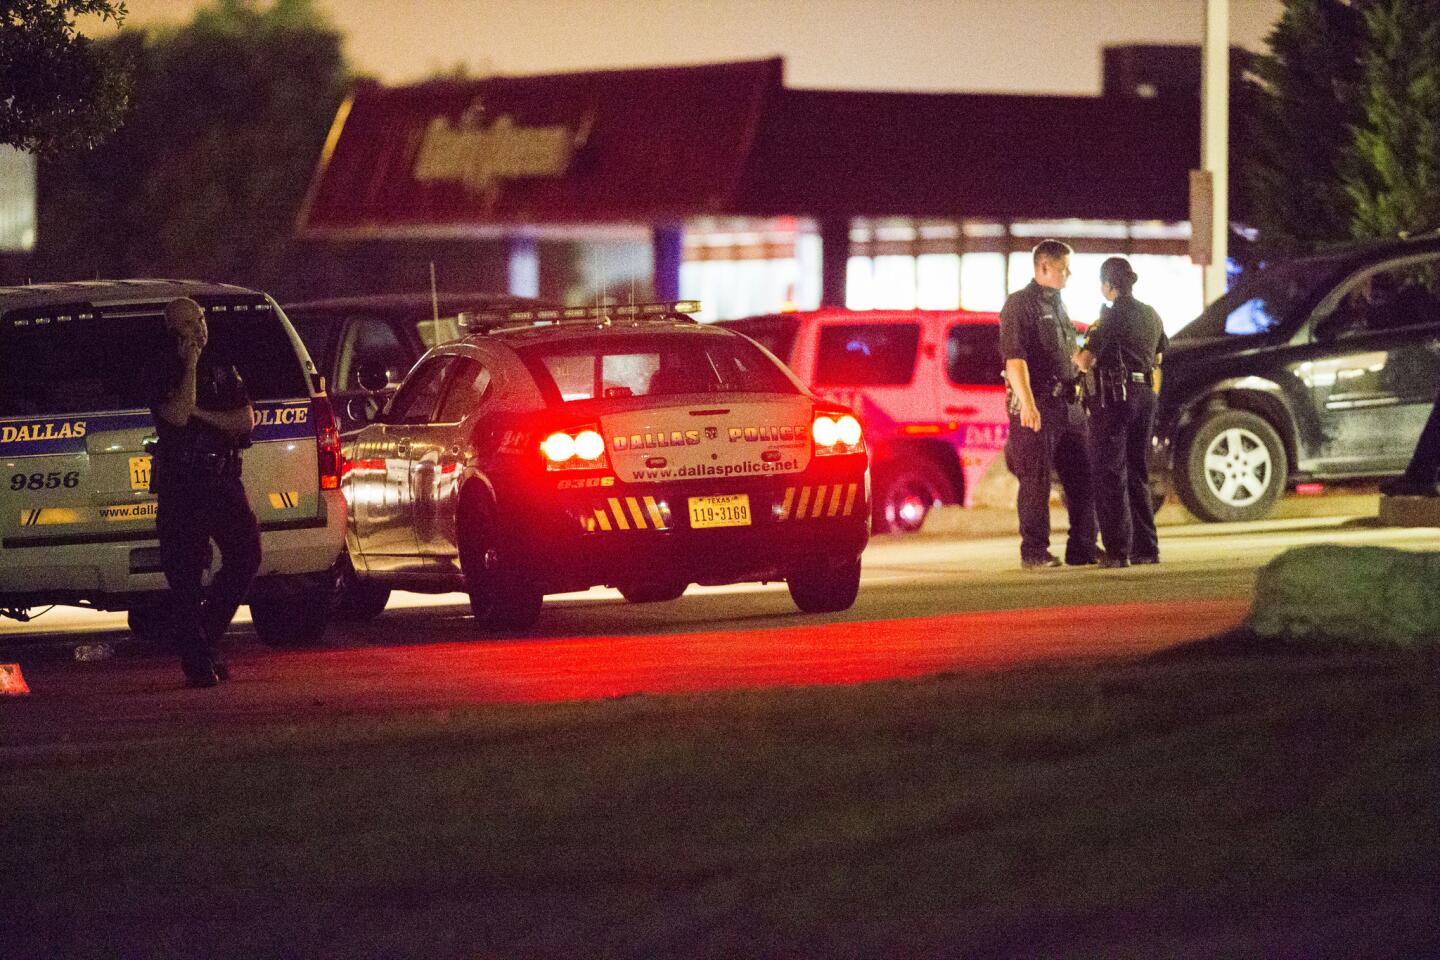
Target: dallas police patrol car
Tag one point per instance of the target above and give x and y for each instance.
(77, 519)
(553, 450)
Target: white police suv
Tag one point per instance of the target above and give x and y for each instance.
(77, 519)
(553, 450)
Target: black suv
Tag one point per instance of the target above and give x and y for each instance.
(1319, 368)
(364, 345)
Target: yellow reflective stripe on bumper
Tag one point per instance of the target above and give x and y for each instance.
(653, 508)
(785, 507)
(634, 506)
(850, 498)
(602, 518)
(804, 501)
(618, 510)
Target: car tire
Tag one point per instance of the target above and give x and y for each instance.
(503, 597)
(1230, 466)
(293, 611)
(905, 493)
(827, 586)
(152, 621)
(655, 591)
(357, 599)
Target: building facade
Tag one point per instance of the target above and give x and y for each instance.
(720, 183)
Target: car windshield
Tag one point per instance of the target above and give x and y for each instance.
(615, 366)
(1262, 302)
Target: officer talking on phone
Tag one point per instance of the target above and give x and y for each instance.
(203, 418)
(1123, 350)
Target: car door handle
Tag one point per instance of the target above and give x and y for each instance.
(963, 411)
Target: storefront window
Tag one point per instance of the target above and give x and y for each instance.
(894, 283)
(937, 281)
(860, 284)
(728, 289)
(982, 281)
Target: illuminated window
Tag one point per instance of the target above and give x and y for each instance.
(937, 281)
(982, 281)
(859, 284)
(894, 285)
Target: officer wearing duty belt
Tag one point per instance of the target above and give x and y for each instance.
(1123, 349)
(203, 418)
(1047, 421)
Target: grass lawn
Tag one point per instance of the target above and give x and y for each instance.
(1210, 803)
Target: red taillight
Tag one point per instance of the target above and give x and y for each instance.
(578, 448)
(836, 432)
(327, 442)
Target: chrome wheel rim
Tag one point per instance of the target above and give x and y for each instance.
(1238, 467)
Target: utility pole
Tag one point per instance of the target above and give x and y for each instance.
(1215, 147)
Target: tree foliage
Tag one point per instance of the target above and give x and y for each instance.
(1296, 150)
(59, 90)
(1394, 181)
(204, 180)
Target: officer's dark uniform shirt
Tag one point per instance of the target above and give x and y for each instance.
(1034, 327)
(1128, 335)
(218, 387)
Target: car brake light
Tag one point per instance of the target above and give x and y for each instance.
(836, 432)
(582, 448)
(327, 442)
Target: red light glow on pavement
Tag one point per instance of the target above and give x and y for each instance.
(291, 685)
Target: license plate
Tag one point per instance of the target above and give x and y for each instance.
(139, 473)
(732, 510)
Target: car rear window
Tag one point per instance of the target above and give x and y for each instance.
(76, 359)
(614, 367)
(867, 354)
(972, 356)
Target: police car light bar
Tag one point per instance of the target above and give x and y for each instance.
(491, 319)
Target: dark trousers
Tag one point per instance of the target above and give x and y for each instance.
(193, 509)
(1059, 449)
(1120, 439)
(1425, 461)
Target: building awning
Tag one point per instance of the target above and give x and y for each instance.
(586, 151)
(612, 147)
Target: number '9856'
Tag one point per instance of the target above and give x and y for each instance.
(44, 481)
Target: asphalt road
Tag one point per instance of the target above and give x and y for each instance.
(927, 604)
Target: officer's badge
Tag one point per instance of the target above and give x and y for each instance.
(711, 433)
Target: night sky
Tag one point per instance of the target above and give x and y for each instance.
(1023, 46)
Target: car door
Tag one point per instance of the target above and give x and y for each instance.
(382, 496)
(1376, 382)
(972, 395)
(437, 458)
(366, 342)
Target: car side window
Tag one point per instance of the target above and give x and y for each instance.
(972, 356)
(419, 396)
(369, 340)
(466, 388)
(1388, 299)
(872, 354)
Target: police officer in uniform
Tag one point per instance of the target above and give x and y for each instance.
(202, 419)
(1123, 351)
(1047, 421)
